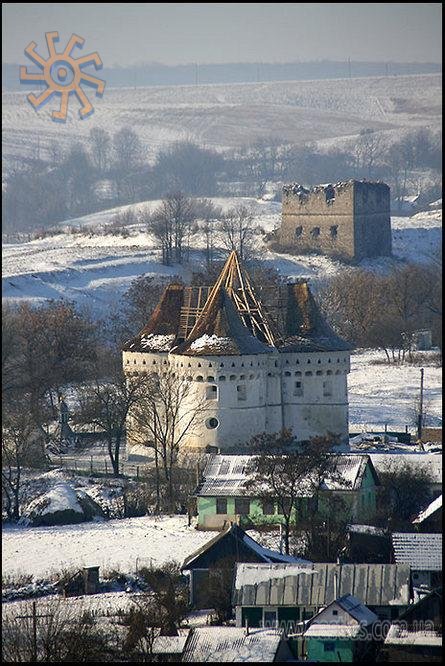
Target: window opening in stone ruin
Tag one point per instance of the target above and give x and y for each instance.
(315, 232)
(298, 232)
(334, 231)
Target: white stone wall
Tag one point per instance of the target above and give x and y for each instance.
(247, 395)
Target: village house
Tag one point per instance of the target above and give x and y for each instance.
(430, 519)
(223, 495)
(288, 594)
(228, 547)
(423, 553)
(416, 636)
(248, 371)
(341, 632)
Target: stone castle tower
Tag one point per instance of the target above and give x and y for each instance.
(253, 372)
(349, 220)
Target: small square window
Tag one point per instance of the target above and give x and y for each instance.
(329, 646)
(242, 506)
(335, 612)
(268, 508)
(211, 392)
(221, 505)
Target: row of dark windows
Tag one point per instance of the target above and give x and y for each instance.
(315, 232)
(242, 506)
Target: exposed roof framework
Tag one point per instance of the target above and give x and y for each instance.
(236, 283)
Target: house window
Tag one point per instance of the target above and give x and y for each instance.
(221, 505)
(334, 231)
(298, 388)
(211, 392)
(299, 232)
(329, 646)
(327, 388)
(241, 392)
(284, 506)
(335, 612)
(315, 232)
(268, 507)
(270, 617)
(242, 506)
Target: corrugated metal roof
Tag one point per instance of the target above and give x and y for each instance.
(422, 552)
(373, 584)
(225, 644)
(227, 475)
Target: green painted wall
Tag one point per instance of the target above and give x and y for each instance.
(361, 505)
(343, 650)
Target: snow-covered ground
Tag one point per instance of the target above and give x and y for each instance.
(227, 115)
(116, 544)
(95, 270)
(380, 394)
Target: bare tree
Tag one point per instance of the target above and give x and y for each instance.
(100, 142)
(22, 446)
(127, 148)
(172, 224)
(281, 474)
(167, 603)
(368, 151)
(106, 404)
(238, 231)
(167, 413)
(404, 492)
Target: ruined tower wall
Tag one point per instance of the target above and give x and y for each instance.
(350, 219)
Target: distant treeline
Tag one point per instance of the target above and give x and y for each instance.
(156, 74)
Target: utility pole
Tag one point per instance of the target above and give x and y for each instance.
(349, 67)
(420, 415)
(196, 73)
(34, 617)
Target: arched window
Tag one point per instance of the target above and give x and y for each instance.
(199, 378)
(222, 378)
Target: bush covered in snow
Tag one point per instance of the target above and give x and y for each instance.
(61, 505)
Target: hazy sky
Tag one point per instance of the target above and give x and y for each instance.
(230, 32)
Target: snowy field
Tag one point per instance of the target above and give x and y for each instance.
(222, 116)
(380, 394)
(116, 544)
(94, 270)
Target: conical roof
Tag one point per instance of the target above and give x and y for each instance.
(305, 327)
(220, 331)
(160, 333)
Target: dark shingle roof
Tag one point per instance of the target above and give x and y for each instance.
(421, 551)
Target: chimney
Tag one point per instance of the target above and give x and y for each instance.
(335, 585)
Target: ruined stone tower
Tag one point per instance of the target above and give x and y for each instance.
(350, 219)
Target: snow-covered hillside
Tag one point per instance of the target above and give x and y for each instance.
(95, 270)
(223, 116)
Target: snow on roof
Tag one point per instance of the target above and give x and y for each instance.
(399, 635)
(332, 631)
(232, 644)
(152, 342)
(212, 343)
(227, 475)
(271, 555)
(366, 529)
(269, 585)
(170, 644)
(254, 574)
(430, 509)
(428, 462)
(421, 551)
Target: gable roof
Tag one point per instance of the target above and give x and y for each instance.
(420, 551)
(244, 546)
(323, 625)
(431, 509)
(374, 584)
(227, 475)
(424, 462)
(232, 644)
(410, 628)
